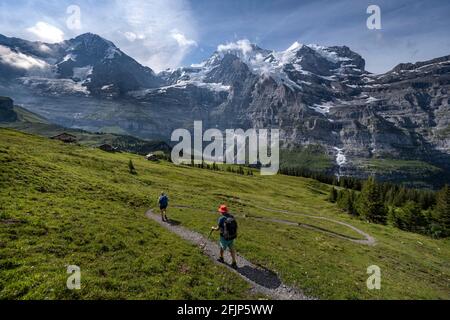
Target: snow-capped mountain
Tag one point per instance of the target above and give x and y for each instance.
(314, 94)
(85, 65)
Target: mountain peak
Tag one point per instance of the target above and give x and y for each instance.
(295, 46)
(90, 39)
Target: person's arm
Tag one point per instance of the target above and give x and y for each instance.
(216, 228)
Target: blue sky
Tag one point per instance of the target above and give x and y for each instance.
(170, 33)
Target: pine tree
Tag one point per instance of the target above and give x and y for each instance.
(442, 210)
(371, 206)
(409, 217)
(131, 167)
(346, 201)
(333, 195)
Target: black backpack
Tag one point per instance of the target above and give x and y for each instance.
(230, 228)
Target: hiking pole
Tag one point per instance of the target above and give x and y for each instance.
(203, 245)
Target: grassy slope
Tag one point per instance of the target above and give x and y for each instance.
(78, 206)
(412, 172)
(81, 206)
(30, 122)
(311, 157)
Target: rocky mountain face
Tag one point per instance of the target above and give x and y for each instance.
(314, 94)
(7, 113)
(85, 65)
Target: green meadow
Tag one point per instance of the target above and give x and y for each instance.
(66, 205)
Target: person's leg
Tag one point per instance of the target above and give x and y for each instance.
(233, 255)
(165, 214)
(162, 214)
(221, 246)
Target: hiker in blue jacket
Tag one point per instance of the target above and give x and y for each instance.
(163, 202)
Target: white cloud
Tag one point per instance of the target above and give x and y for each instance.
(157, 33)
(182, 40)
(243, 45)
(152, 31)
(20, 60)
(46, 32)
(44, 48)
(131, 36)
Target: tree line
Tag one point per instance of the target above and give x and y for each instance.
(215, 167)
(421, 211)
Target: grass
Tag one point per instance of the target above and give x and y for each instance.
(63, 204)
(392, 165)
(413, 173)
(32, 123)
(310, 157)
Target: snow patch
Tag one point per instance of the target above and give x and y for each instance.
(322, 108)
(107, 87)
(55, 87)
(82, 73)
(371, 99)
(216, 87)
(328, 54)
(111, 52)
(68, 57)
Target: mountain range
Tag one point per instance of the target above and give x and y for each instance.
(394, 125)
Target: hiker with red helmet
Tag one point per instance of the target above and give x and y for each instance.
(228, 232)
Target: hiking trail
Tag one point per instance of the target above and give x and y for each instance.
(368, 239)
(262, 280)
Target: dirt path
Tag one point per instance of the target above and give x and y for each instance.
(368, 239)
(262, 281)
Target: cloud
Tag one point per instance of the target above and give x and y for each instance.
(46, 32)
(20, 60)
(151, 30)
(243, 45)
(182, 40)
(131, 36)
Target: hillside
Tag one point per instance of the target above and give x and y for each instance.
(19, 118)
(66, 204)
(315, 95)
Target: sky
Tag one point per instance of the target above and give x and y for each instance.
(165, 34)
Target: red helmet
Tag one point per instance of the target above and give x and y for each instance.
(223, 209)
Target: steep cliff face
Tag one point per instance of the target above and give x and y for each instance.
(323, 95)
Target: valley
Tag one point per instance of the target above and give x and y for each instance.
(315, 95)
(65, 204)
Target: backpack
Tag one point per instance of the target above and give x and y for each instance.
(230, 228)
(163, 201)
